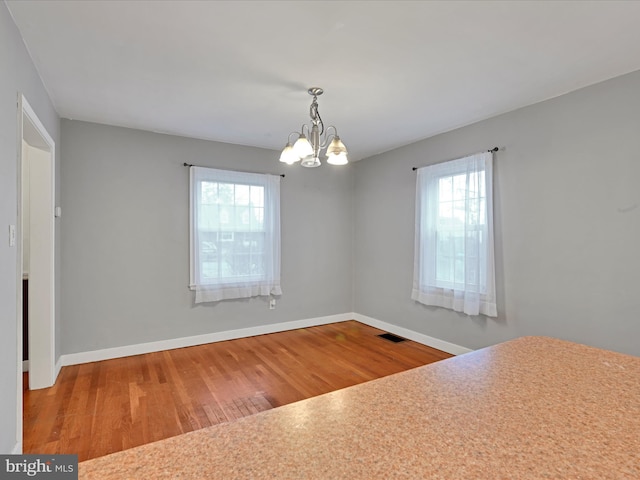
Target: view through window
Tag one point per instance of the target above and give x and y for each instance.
(231, 231)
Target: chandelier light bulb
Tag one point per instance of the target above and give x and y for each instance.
(288, 155)
(302, 147)
(337, 152)
(339, 159)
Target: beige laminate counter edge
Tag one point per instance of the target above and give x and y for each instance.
(529, 408)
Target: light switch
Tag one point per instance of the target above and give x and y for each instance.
(58, 212)
(12, 235)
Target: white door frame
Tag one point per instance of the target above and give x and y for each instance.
(42, 369)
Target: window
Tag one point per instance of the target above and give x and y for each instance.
(235, 234)
(454, 258)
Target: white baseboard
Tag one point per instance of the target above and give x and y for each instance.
(451, 348)
(138, 349)
(17, 449)
(141, 348)
(25, 365)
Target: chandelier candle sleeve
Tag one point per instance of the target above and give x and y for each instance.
(307, 147)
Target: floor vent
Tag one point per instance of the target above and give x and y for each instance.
(391, 337)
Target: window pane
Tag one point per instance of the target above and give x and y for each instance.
(257, 196)
(459, 269)
(244, 255)
(472, 274)
(445, 189)
(208, 252)
(242, 194)
(225, 216)
(443, 245)
(227, 251)
(459, 187)
(473, 185)
(459, 212)
(471, 247)
(443, 269)
(229, 254)
(474, 212)
(257, 218)
(208, 192)
(225, 193)
(242, 218)
(445, 210)
(208, 218)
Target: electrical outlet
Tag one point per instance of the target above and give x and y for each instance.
(272, 304)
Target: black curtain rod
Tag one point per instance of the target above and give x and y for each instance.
(230, 169)
(493, 150)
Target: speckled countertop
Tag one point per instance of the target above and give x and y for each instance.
(530, 408)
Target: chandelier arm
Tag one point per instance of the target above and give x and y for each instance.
(292, 133)
(329, 136)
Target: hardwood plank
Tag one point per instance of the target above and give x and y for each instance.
(103, 407)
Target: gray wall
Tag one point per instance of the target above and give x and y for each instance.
(17, 74)
(567, 223)
(126, 255)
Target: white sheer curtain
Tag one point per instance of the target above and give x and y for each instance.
(454, 255)
(235, 234)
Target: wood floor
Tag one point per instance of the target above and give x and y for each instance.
(103, 407)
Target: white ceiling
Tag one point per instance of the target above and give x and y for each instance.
(393, 72)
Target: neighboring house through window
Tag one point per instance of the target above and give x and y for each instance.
(235, 234)
(454, 255)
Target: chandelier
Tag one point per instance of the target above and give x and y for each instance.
(307, 150)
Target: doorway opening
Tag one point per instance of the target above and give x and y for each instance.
(36, 252)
